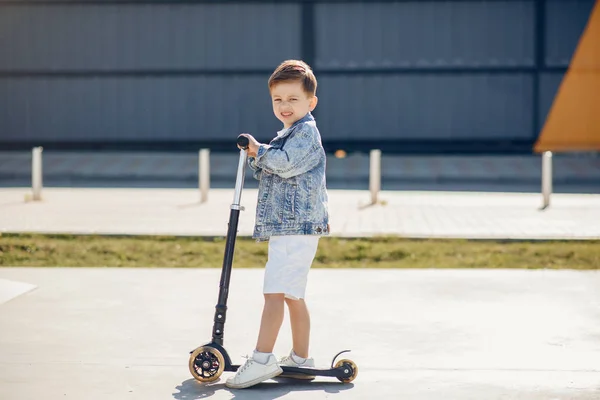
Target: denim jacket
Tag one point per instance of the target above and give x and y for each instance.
(292, 195)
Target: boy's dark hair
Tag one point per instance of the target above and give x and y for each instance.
(295, 70)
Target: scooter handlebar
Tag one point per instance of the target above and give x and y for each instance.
(243, 142)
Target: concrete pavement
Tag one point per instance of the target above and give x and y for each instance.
(414, 334)
(403, 213)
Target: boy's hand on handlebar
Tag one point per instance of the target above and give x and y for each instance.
(252, 145)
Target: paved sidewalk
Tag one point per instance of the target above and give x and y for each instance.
(403, 213)
(126, 334)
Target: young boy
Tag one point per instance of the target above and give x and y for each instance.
(292, 215)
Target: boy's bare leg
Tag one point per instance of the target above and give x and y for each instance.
(300, 323)
(272, 318)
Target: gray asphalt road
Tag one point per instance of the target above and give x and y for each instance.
(572, 173)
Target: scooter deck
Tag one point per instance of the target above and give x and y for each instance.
(340, 371)
(333, 372)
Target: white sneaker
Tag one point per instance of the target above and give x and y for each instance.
(253, 372)
(288, 361)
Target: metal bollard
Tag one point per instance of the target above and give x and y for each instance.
(36, 172)
(204, 174)
(375, 175)
(546, 177)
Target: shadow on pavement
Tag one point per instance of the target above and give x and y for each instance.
(192, 390)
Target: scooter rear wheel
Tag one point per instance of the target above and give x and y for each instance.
(351, 366)
(206, 364)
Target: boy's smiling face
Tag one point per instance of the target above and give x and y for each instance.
(291, 102)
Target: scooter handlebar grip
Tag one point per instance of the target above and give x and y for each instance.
(243, 142)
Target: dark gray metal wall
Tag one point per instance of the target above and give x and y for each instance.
(421, 75)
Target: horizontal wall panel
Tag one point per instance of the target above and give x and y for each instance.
(425, 34)
(426, 107)
(181, 108)
(565, 22)
(147, 36)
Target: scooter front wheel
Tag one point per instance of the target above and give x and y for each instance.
(206, 364)
(350, 370)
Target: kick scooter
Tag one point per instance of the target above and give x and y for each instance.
(208, 361)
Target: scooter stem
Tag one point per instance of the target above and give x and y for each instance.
(234, 214)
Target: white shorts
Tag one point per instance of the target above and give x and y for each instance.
(290, 259)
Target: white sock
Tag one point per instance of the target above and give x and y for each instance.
(297, 359)
(259, 357)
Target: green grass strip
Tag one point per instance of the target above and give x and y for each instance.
(39, 250)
